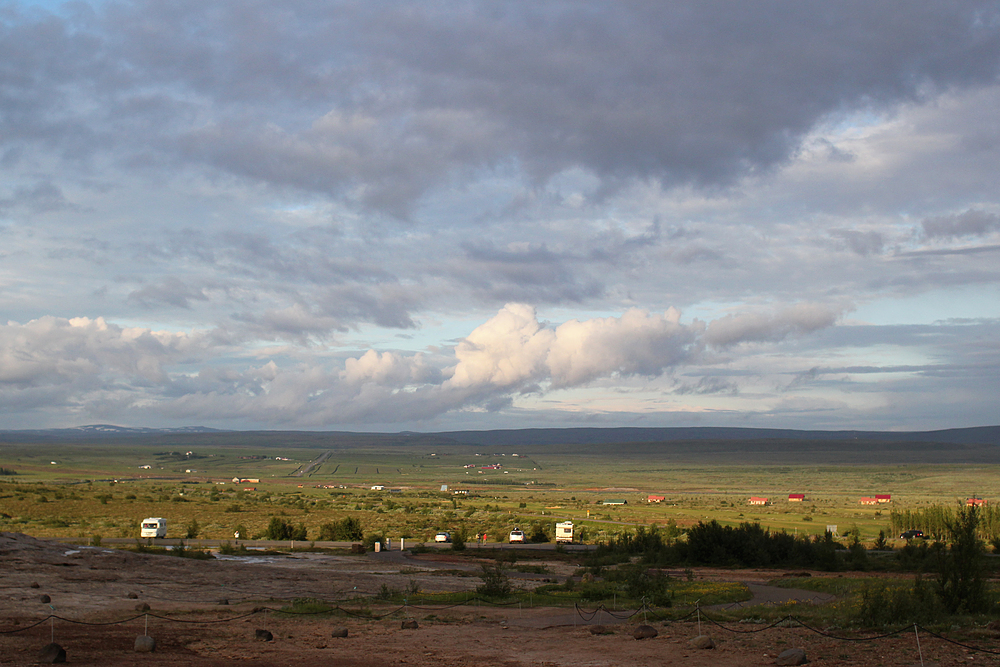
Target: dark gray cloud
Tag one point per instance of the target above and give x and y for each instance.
(970, 223)
(381, 102)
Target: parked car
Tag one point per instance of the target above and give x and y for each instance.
(912, 534)
(442, 537)
(517, 535)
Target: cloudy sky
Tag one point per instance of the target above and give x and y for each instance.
(380, 215)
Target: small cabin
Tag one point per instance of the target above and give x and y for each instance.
(755, 500)
(655, 499)
(869, 501)
(796, 497)
(883, 498)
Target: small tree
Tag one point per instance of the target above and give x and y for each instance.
(960, 583)
(496, 583)
(279, 529)
(193, 529)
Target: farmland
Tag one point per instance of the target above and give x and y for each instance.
(102, 488)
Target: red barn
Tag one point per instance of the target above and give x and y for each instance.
(796, 497)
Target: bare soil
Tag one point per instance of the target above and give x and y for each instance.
(98, 588)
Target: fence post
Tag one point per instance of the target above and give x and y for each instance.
(919, 650)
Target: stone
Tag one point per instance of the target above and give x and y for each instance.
(263, 635)
(145, 644)
(35, 584)
(601, 630)
(223, 602)
(339, 632)
(702, 641)
(409, 625)
(132, 596)
(792, 656)
(51, 654)
(45, 599)
(142, 606)
(644, 632)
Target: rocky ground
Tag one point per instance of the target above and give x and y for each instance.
(211, 607)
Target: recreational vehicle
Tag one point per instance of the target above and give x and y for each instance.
(153, 527)
(564, 531)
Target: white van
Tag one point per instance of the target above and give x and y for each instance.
(153, 527)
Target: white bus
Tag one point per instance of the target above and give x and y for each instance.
(153, 527)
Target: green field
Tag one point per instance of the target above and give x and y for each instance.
(79, 489)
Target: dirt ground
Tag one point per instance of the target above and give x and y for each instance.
(204, 601)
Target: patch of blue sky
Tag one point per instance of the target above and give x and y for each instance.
(959, 303)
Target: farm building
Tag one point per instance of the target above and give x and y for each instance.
(883, 498)
(796, 497)
(869, 501)
(754, 500)
(378, 487)
(655, 499)
(616, 501)
(975, 502)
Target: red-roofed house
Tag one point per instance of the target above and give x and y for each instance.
(796, 497)
(869, 501)
(883, 498)
(754, 500)
(655, 499)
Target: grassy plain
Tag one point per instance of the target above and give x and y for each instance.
(81, 489)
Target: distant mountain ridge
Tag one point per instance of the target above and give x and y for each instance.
(977, 435)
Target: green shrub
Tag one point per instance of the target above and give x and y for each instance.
(345, 530)
(496, 583)
(281, 530)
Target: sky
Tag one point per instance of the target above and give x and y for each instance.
(441, 215)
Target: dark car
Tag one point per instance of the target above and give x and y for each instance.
(912, 534)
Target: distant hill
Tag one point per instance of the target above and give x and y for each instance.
(980, 435)
(730, 446)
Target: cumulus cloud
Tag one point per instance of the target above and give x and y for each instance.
(769, 326)
(53, 350)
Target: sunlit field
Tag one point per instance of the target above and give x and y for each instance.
(81, 490)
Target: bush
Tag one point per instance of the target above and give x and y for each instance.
(458, 538)
(882, 604)
(496, 583)
(961, 585)
(279, 529)
(347, 529)
(193, 529)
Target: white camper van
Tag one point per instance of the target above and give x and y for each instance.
(153, 527)
(564, 531)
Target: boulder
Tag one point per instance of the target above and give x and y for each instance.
(339, 632)
(601, 630)
(142, 606)
(263, 635)
(223, 602)
(644, 632)
(45, 599)
(51, 654)
(792, 656)
(702, 641)
(35, 584)
(145, 644)
(408, 625)
(132, 596)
